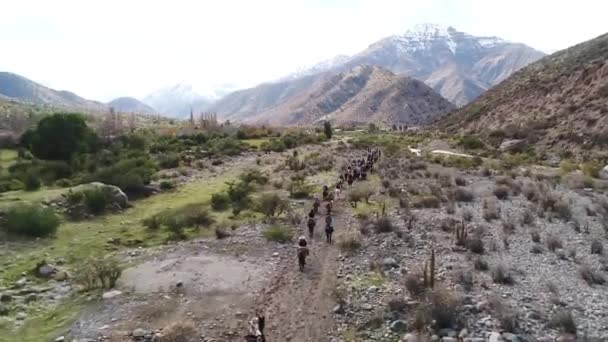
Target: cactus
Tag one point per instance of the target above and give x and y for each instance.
(461, 235)
(383, 209)
(429, 271)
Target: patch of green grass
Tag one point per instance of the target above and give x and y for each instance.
(77, 240)
(365, 281)
(45, 324)
(256, 142)
(7, 157)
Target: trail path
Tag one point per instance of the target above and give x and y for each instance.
(298, 306)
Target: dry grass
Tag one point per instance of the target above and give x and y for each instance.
(415, 285)
(591, 277)
(444, 308)
(502, 275)
(554, 243)
(349, 243)
(179, 332)
(506, 315)
(564, 321)
(463, 195)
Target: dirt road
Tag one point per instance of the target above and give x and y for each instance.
(299, 305)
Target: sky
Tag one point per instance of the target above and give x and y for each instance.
(102, 49)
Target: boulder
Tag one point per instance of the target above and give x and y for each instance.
(19, 284)
(111, 294)
(410, 338)
(390, 263)
(398, 326)
(5, 298)
(512, 145)
(118, 197)
(61, 276)
(139, 333)
(494, 337)
(21, 316)
(44, 270)
(603, 174)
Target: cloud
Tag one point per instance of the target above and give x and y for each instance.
(103, 49)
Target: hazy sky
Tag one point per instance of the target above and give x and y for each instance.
(101, 49)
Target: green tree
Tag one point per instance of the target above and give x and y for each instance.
(60, 136)
(327, 130)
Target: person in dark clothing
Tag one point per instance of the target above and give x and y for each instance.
(311, 226)
(329, 206)
(316, 204)
(325, 191)
(329, 228)
(350, 180)
(303, 252)
(311, 214)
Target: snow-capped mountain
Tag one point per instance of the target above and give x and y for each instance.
(177, 101)
(318, 68)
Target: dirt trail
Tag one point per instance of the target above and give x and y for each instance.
(298, 306)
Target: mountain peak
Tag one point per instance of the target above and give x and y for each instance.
(428, 29)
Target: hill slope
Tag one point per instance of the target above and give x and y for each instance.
(19, 88)
(560, 101)
(131, 105)
(362, 95)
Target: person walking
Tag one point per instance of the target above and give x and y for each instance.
(311, 226)
(303, 252)
(329, 228)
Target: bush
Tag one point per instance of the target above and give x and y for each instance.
(501, 192)
(564, 321)
(444, 307)
(502, 275)
(167, 185)
(271, 205)
(597, 247)
(98, 273)
(536, 249)
(31, 182)
(554, 243)
(220, 201)
(349, 244)
(591, 277)
(480, 264)
(383, 225)
(97, 200)
(471, 143)
(507, 316)
(460, 181)
(535, 236)
(221, 233)
(427, 202)
(253, 176)
(63, 183)
(475, 245)
(463, 195)
(278, 233)
(491, 211)
(130, 175)
(11, 185)
(31, 221)
(415, 285)
(591, 169)
(169, 161)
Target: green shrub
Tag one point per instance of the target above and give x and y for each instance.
(278, 233)
(31, 182)
(169, 161)
(11, 185)
(591, 169)
(98, 272)
(471, 143)
(131, 175)
(273, 145)
(253, 176)
(97, 200)
(220, 201)
(167, 185)
(63, 183)
(31, 221)
(271, 205)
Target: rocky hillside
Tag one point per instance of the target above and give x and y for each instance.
(362, 95)
(18, 88)
(558, 102)
(131, 105)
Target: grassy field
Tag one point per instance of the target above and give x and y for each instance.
(256, 142)
(7, 158)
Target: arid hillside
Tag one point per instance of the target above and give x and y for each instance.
(559, 102)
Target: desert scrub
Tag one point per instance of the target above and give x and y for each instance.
(278, 233)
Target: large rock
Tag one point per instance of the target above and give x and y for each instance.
(111, 294)
(45, 270)
(119, 198)
(398, 326)
(512, 145)
(603, 174)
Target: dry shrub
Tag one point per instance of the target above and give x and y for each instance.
(475, 245)
(450, 208)
(531, 192)
(349, 244)
(460, 181)
(527, 217)
(444, 308)
(506, 315)
(397, 305)
(491, 210)
(564, 321)
(480, 264)
(597, 247)
(591, 277)
(415, 285)
(463, 195)
(179, 332)
(221, 233)
(535, 236)
(427, 202)
(467, 215)
(508, 227)
(501, 192)
(383, 225)
(465, 279)
(502, 275)
(554, 243)
(536, 249)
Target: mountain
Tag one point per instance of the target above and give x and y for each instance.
(362, 95)
(177, 101)
(18, 88)
(458, 65)
(131, 105)
(559, 102)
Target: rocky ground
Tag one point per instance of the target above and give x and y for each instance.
(527, 266)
